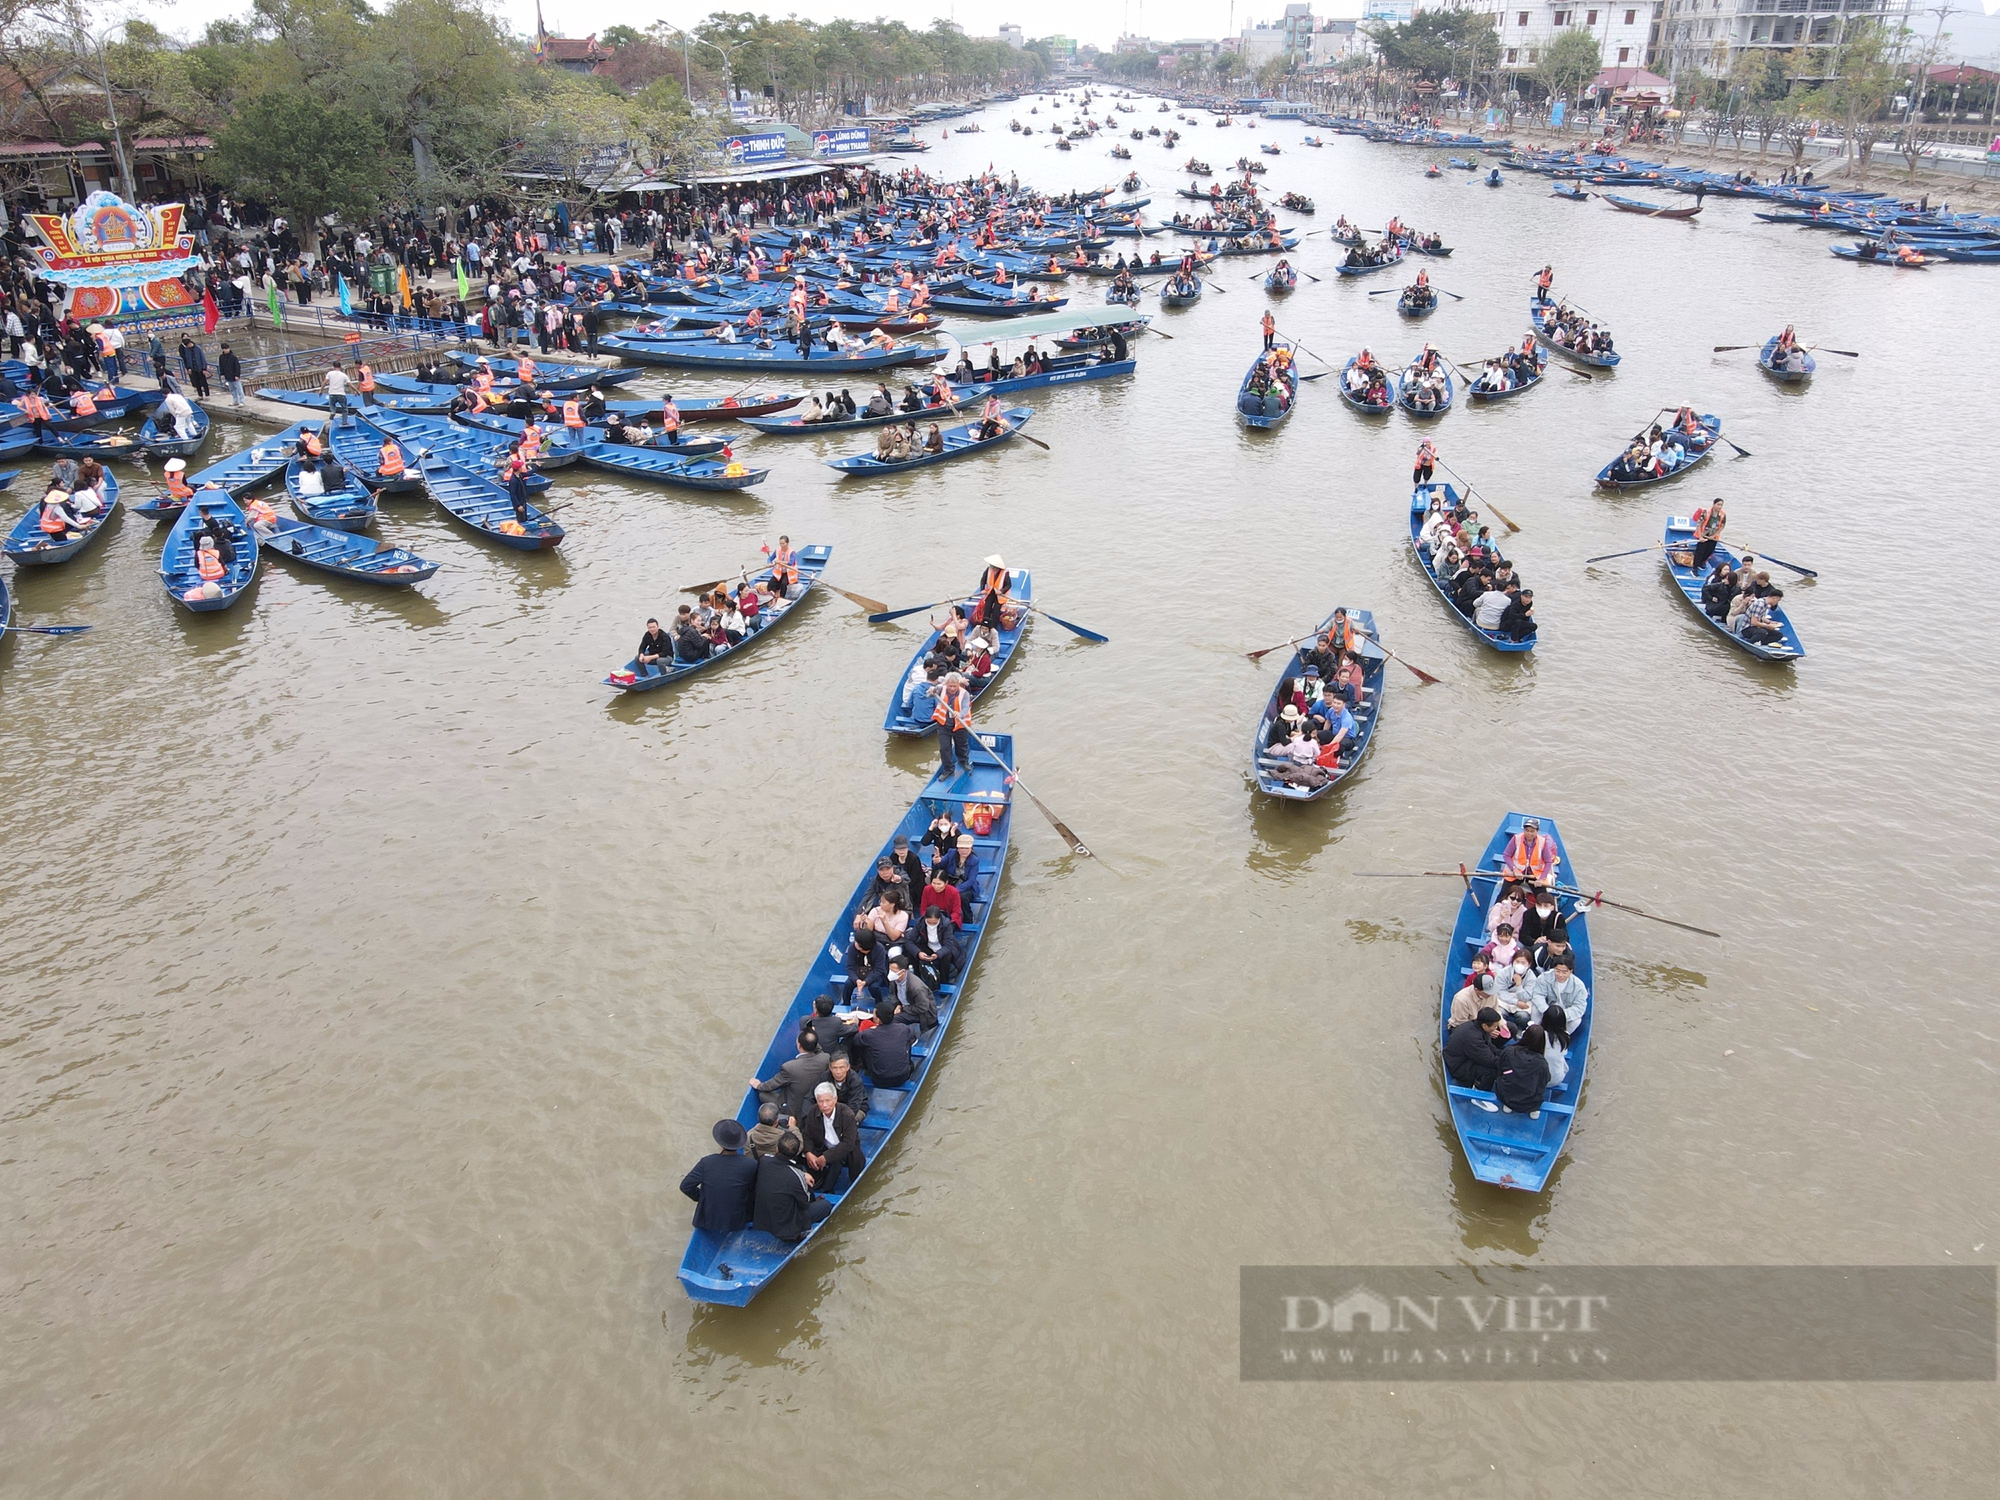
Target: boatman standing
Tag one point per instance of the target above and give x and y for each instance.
(1270, 325)
(994, 587)
(953, 717)
(1707, 526)
(670, 421)
(1544, 279)
(784, 567)
(1426, 457)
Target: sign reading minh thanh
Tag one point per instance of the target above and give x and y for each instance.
(851, 142)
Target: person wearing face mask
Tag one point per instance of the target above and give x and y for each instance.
(933, 943)
(1541, 921)
(1513, 991)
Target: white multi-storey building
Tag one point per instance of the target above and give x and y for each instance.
(1622, 28)
(1710, 34)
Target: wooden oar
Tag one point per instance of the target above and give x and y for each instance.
(862, 600)
(1792, 567)
(1732, 348)
(1595, 898)
(1453, 295)
(1088, 635)
(1483, 500)
(51, 629)
(884, 616)
(1421, 673)
(1649, 547)
(1260, 655)
(1846, 353)
(1067, 834)
(1740, 452)
(1387, 291)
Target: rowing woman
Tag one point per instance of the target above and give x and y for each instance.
(994, 587)
(1707, 524)
(991, 423)
(784, 567)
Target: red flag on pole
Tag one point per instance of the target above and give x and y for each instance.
(210, 313)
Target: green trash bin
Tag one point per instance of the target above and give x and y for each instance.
(382, 278)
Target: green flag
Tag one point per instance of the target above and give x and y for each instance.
(464, 286)
(277, 315)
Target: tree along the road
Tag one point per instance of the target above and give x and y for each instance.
(305, 158)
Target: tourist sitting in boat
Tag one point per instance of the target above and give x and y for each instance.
(1517, 623)
(653, 645)
(1557, 988)
(311, 482)
(934, 440)
(1753, 622)
(786, 1208)
(881, 404)
(59, 520)
(831, 1139)
(690, 644)
(263, 518)
(1472, 1053)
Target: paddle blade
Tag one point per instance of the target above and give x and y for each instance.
(1063, 830)
(1732, 348)
(1088, 635)
(884, 616)
(1421, 673)
(875, 605)
(1846, 353)
(1609, 555)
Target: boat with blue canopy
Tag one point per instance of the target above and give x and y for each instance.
(732, 1269)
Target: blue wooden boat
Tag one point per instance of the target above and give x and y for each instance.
(1420, 504)
(1272, 408)
(358, 445)
(958, 442)
(178, 573)
(1570, 191)
(1462, 164)
(634, 677)
(798, 427)
(346, 555)
(1171, 298)
(1394, 260)
(732, 1269)
(16, 440)
(1264, 765)
(1475, 392)
(393, 400)
(113, 403)
(1507, 1149)
(668, 468)
(990, 307)
(559, 449)
(1767, 361)
(349, 508)
(158, 437)
(102, 446)
(477, 502)
(739, 359)
(31, 546)
(238, 474)
(1694, 451)
(896, 721)
(1494, 179)
(550, 377)
(695, 409)
(1651, 210)
(1678, 542)
(471, 450)
(1406, 390)
(1414, 308)
(1281, 281)
(8, 476)
(1373, 409)
(1538, 313)
(1061, 369)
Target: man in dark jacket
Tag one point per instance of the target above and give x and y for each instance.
(785, 1207)
(791, 1086)
(832, 1140)
(230, 368)
(723, 1184)
(884, 1048)
(912, 998)
(1472, 1053)
(194, 360)
(848, 1087)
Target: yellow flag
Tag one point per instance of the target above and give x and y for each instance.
(403, 286)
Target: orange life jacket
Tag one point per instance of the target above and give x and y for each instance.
(1341, 635)
(572, 414)
(390, 462)
(997, 580)
(954, 710)
(483, 381)
(262, 513)
(365, 377)
(179, 488)
(525, 368)
(82, 405)
(1536, 859)
(33, 406)
(670, 417)
(209, 563)
(52, 521)
(313, 444)
(1707, 524)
